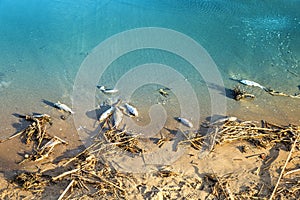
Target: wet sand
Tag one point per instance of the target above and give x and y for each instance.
(225, 159)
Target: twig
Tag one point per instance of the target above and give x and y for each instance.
(283, 168)
(66, 190)
(188, 139)
(227, 189)
(65, 174)
(213, 141)
(13, 136)
(62, 141)
(81, 153)
(253, 155)
(292, 171)
(106, 181)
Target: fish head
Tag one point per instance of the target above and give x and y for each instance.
(102, 87)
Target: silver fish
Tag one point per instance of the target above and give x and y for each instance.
(131, 110)
(252, 83)
(63, 107)
(117, 117)
(108, 91)
(106, 114)
(41, 116)
(226, 119)
(185, 122)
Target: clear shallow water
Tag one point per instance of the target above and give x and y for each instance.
(43, 43)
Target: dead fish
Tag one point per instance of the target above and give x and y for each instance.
(34, 116)
(252, 83)
(131, 110)
(107, 91)
(185, 122)
(226, 119)
(63, 107)
(106, 114)
(117, 117)
(41, 116)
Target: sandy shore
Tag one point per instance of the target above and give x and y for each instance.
(191, 178)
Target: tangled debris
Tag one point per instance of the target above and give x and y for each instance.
(124, 140)
(219, 186)
(266, 136)
(36, 133)
(92, 176)
(239, 94)
(87, 171)
(31, 181)
(89, 175)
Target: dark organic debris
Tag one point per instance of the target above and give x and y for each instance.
(240, 94)
(36, 133)
(123, 140)
(89, 174)
(276, 93)
(262, 136)
(31, 181)
(163, 92)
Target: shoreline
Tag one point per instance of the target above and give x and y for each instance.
(223, 160)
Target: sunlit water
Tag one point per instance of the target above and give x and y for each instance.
(43, 43)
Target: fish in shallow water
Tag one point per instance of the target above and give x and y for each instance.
(185, 122)
(63, 107)
(107, 91)
(106, 114)
(131, 110)
(252, 83)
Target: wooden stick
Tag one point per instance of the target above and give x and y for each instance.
(250, 156)
(283, 168)
(292, 171)
(227, 189)
(106, 181)
(62, 141)
(65, 174)
(187, 139)
(13, 136)
(75, 157)
(66, 190)
(41, 135)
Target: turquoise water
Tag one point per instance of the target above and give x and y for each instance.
(43, 44)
